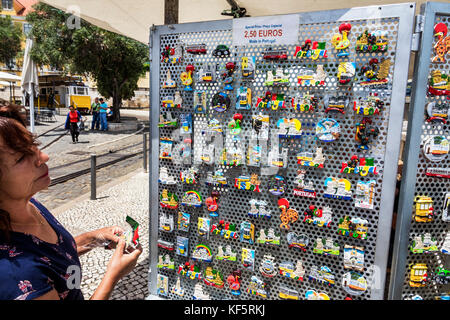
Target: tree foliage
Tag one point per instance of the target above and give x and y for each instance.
(115, 62)
(10, 40)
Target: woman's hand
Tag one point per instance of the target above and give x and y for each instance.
(122, 263)
(108, 236)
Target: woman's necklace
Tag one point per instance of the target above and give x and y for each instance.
(38, 216)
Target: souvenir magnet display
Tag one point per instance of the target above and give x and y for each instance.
(305, 102)
(256, 287)
(182, 248)
(314, 295)
(362, 166)
(326, 247)
(165, 150)
(168, 200)
(226, 230)
(196, 48)
(186, 77)
(303, 189)
(354, 257)
(251, 183)
(203, 227)
(287, 215)
(192, 198)
(372, 42)
(199, 294)
(424, 211)
(211, 203)
(297, 241)
(424, 244)
(438, 112)
(200, 101)
(212, 277)
(376, 72)
(313, 50)
(275, 54)
(442, 45)
(227, 254)
(268, 267)
(370, 106)
(248, 65)
(165, 262)
(221, 51)
(268, 237)
(202, 253)
(162, 285)
(248, 259)
(288, 294)
(336, 104)
(166, 223)
(310, 78)
(243, 98)
(287, 269)
(337, 189)
(322, 275)
(354, 283)
(439, 84)
(277, 78)
(365, 133)
(289, 128)
(436, 148)
(365, 194)
(220, 102)
(328, 130)
(340, 40)
(418, 275)
(258, 209)
(277, 185)
(308, 159)
(353, 227)
(346, 72)
(165, 178)
(184, 221)
(189, 176)
(318, 217)
(234, 282)
(247, 232)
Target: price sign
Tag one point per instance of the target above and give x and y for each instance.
(266, 30)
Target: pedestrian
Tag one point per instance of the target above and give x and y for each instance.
(95, 107)
(39, 259)
(72, 120)
(103, 115)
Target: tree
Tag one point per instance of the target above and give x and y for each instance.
(115, 62)
(10, 40)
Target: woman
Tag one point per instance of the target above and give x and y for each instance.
(73, 117)
(38, 257)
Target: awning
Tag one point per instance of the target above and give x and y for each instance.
(5, 76)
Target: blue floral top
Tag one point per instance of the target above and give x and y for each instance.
(30, 267)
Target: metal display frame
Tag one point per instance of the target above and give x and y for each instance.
(403, 17)
(402, 259)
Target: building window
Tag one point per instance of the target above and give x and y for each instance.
(7, 4)
(26, 29)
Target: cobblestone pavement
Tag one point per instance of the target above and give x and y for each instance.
(128, 197)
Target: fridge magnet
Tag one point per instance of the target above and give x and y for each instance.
(172, 55)
(365, 194)
(288, 294)
(271, 100)
(288, 270)
(227, 75)
(177, 289)
(376, 72)
(182, 248)
(439, 172)
(328, 130)
(275, 54)
(245, 182)
(365, 133)
(439, 83)
(234, 282)
(305, 102)
(196, 49)
(192, 198)
(207, 73)
(248, 67)
(318, 217)
(221, 51)
(227, 254)
(167, 245)
(169, 83)
(243, 98)
(438, 112)
(199, 294)
(418, 275)
(258, 209)
(186, 77)
(203, 227)
(346, 72)
(322, 275)
(168, 200)
(311, 49)
(257, 287)
(423, 207)
(165, 148)
(211, 203)
(200, 101)
(441, 276)
(220, 102)
(212, 277)
(446, 207)
(336, 104)
(304, 188)
(445, 248)
(314, 295)
(442, 45)
(177, 101)
(254, 154)
(287, 215)
(247, 232)
(234, 125)
(297, 241)
(424, 244)
(168, 102)
(186, 150)
(362, 166)
(279, 78)
(190, 270)
(354, 257)
(226, 230)
(372, 42)
(260, 127)
(435, 148)
(326, 247)
(277, 185)
(310, 78)
(162, 285)
(184, 220)
(340, 40)
(309, 159)
(164, 177)
(289, 128)
(167, 120)
(189, 176)
(353, 227)
(217, 179)
(202, 253)
(337, 189)
(370, 106)
(248, 259)
(276, 159)
(185, 123)
(268, 267)
(165, 262)
(268, 237)
(234, 154)
(354, 283)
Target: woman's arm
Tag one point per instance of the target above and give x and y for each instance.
(98, 238)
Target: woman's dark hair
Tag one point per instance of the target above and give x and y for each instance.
(16, 137)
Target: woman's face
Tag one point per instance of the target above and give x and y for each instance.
(22, 176)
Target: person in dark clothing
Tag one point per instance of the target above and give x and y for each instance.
(73, 117)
